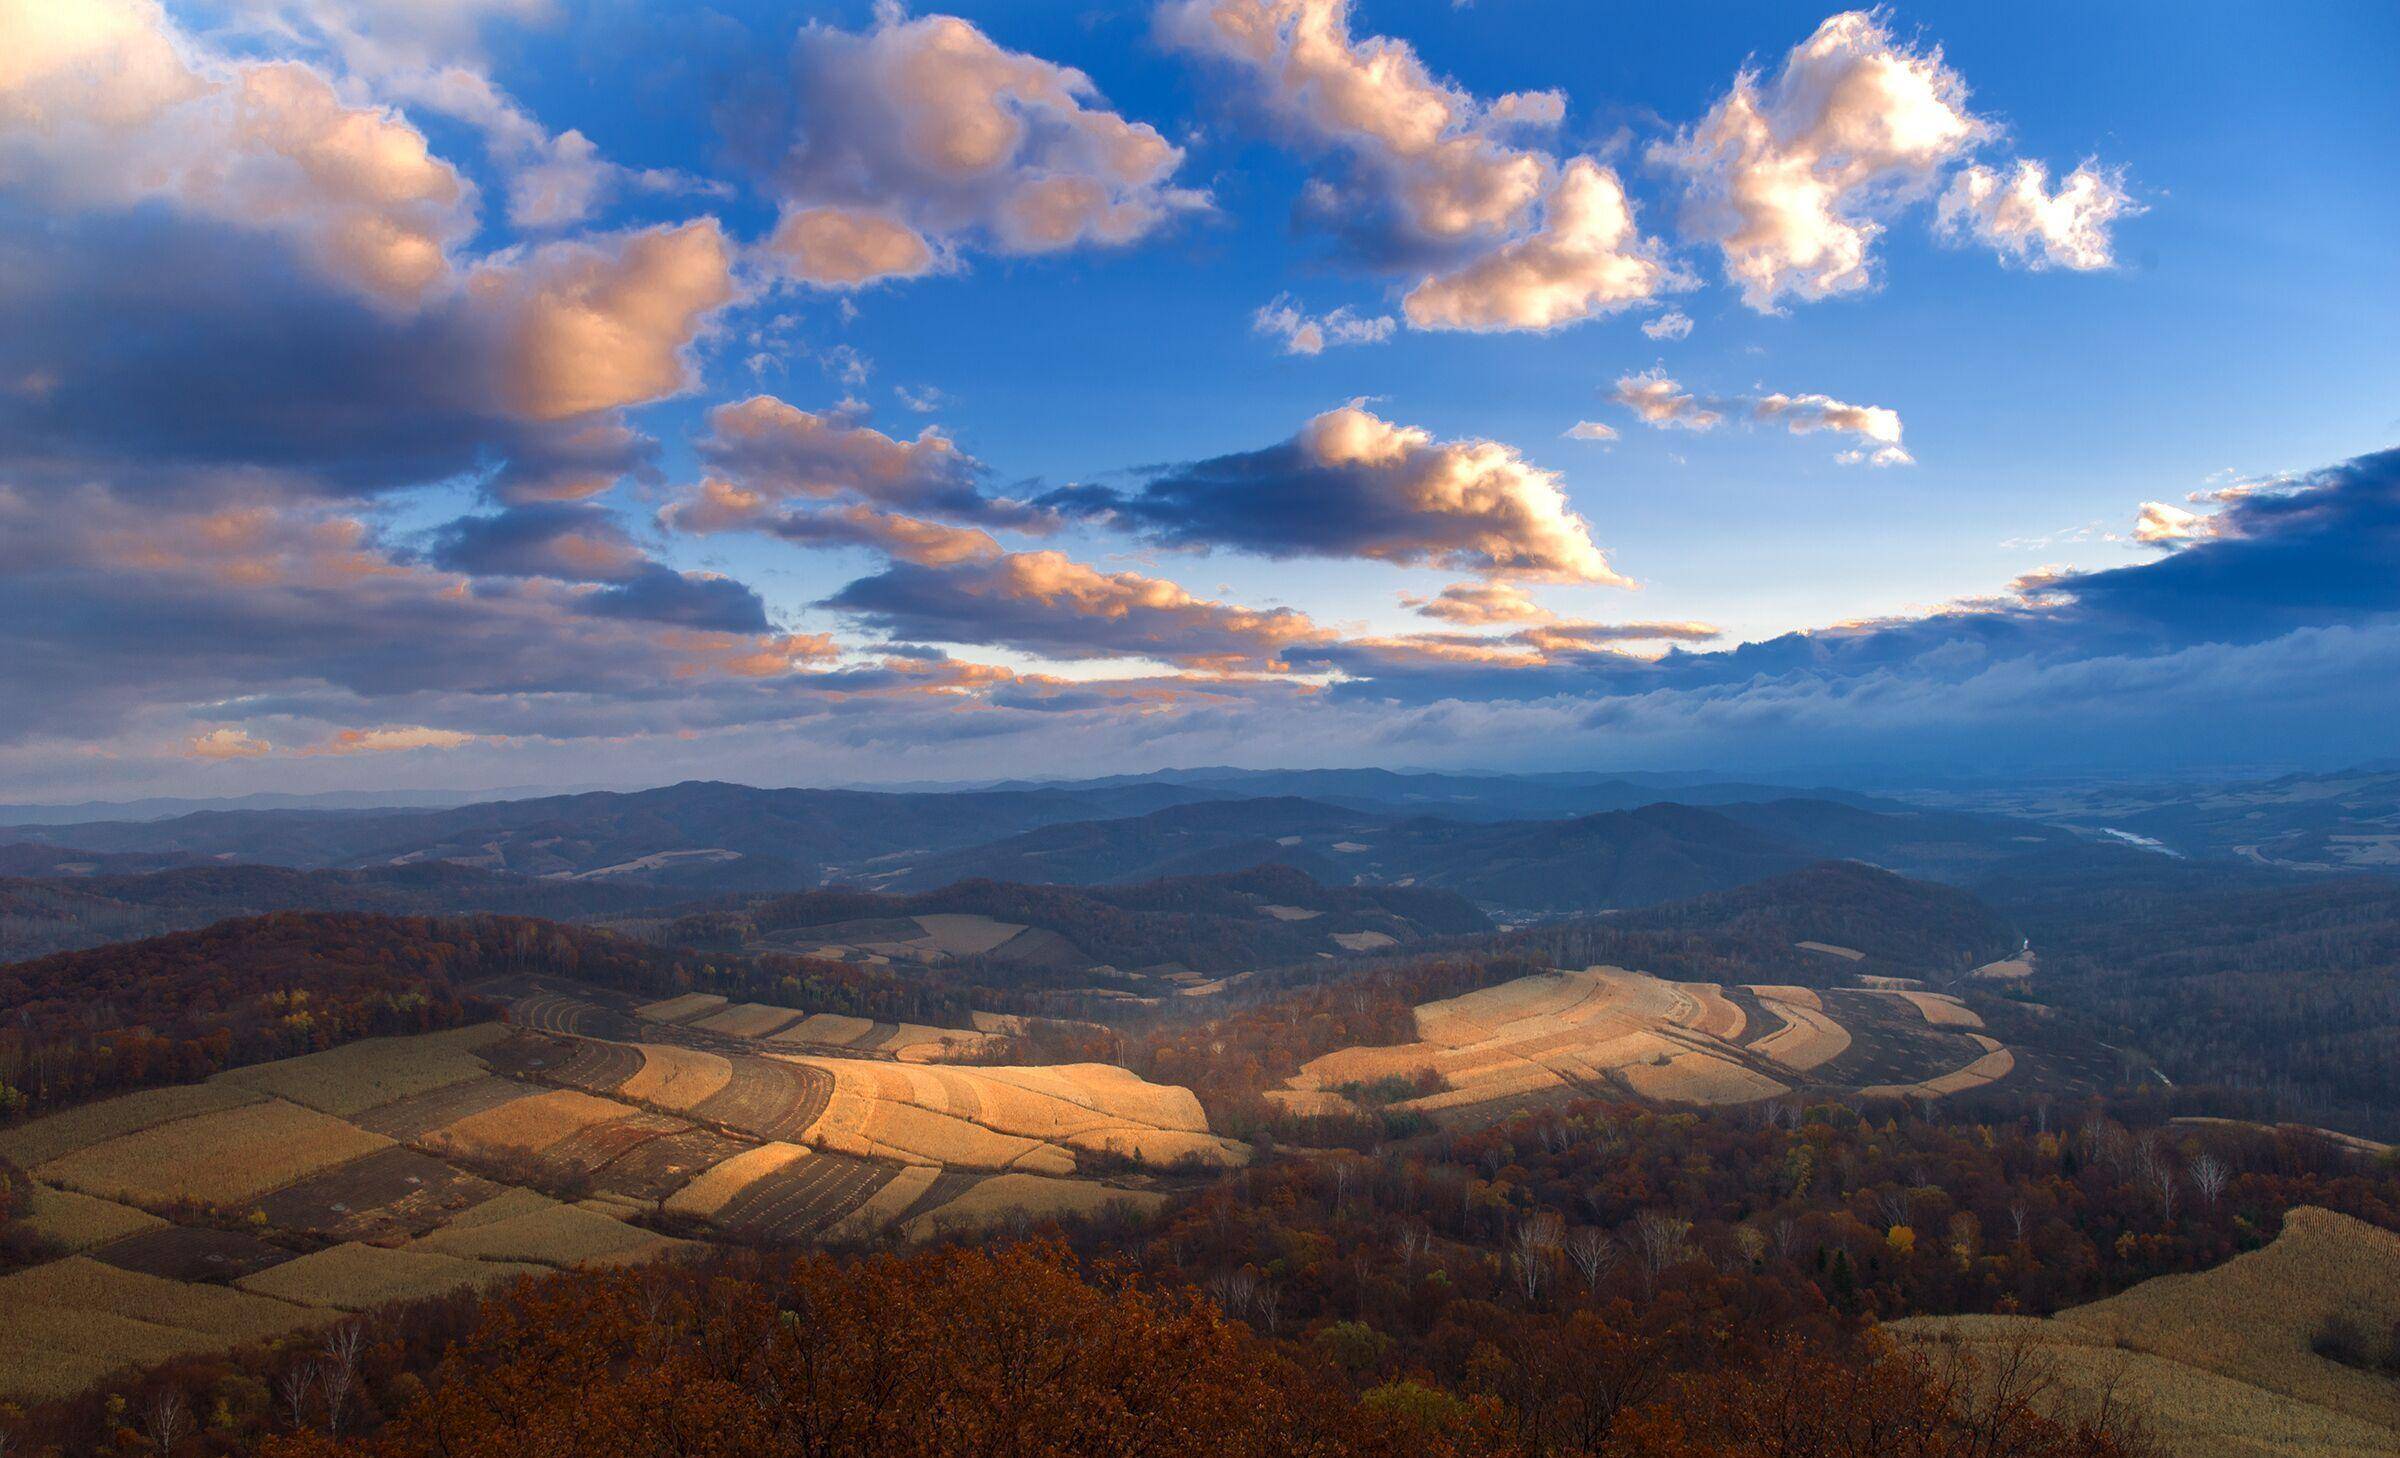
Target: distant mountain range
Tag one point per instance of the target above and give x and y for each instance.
(704, 838)
(1617, 858)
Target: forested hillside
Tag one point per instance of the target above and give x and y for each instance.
(2285, 986)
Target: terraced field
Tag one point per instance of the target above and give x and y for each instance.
(1607, 1032)
(287, 1194)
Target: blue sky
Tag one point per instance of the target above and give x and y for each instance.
(2218, 330)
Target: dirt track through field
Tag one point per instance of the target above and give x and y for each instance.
(804, 1197)
(592, 1148)
(556, 1012)
(390, 1190)
(420, 1114)
(181, 1254)
(769, 1098)
(597, 1067)
(657, 1168)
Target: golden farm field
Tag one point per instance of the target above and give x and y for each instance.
(2219, 1362)
(1605, 1031)
(1562, 1034)
(360, 1076)
(1008, 1118)
(358, 1277)
(221, 1158)
(70, 1322)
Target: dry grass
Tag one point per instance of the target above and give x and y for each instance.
(1990, 1068)
(829, 1030)
(1779, 992)
(2013, 969)
(1556, 1035)
(1694, 1077)
(359, 1076)
(523, 1226)
(1940, 1008)
(79, 1222)
(46, 1139)
(2218, 1361)
(707, 1195)
(676, 1078)
(1808, 1038)
(1364, 941)
(1011, 1197)
(358, 1277)
(1719, 1017)
(2352, 1142)
(224, 1158)
(1009, 1118)
(526, 1126)
(962, 935)
(1290, 913)
(885, 1205)
(748, 1020)
(1847, 954)
(916, 1043)
(680, 1009)
(71, 1322)
(1311, 1103)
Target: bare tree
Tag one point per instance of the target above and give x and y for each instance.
(1895, 1205)
(1234, 1290)
(295, 1386)
(2209, 1175)
(2016, 1219)
(1785, 1233)
(1750, 1243)
(1595, 1253)
(1661, 1242)
(166, 1421)
(338, 1372)
(1412, 1242)
(2153, 1168)
(1531, 1252)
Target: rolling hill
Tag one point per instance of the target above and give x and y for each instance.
(1000, 931)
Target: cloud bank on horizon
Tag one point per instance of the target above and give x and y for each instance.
(359, 422)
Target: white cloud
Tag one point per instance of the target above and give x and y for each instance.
(1673, 324)
(1658, 400)
(913, 134)
(844, 248)
(105, 104)
(1890, 455)
(1794, 176)
(1427, 160)
(1430, 179)
(1805, 413)
(1787, 175)
(1480, 603)
(1586, 259)
(1591, 430)
(2161, 524)
(1303, 333)
(592, 325)
(2020, 217)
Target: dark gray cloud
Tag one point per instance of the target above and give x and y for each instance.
(571, 542)
(685, 599)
